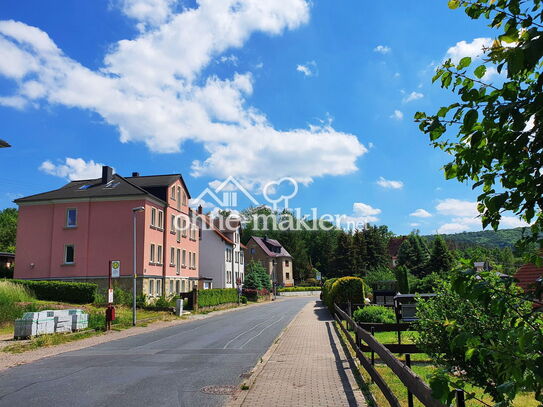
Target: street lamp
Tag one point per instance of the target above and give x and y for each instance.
(134, 212)
(4, 144)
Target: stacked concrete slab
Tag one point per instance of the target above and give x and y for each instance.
(50, 321)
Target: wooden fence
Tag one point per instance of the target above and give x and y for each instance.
(414, 384)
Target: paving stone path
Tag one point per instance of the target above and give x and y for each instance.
(307, 368)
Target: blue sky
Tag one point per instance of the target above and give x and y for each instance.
(323, 92)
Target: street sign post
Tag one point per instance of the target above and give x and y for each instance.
(318, 276)
(115, 269)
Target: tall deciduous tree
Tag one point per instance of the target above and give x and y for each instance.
(8, 229)
(495, 129)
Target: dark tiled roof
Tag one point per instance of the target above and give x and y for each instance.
(91, 188)
(148, 181)
(527, 275)
(119, 186)
(272, 242)
(394, 245)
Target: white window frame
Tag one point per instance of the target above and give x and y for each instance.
(172, 194)
(172, 256)
(160, 219)
(184, 258)
(152, 254)
(68, 218)
(151, 287)
(65, 260)
(159, 254)
(153, 217)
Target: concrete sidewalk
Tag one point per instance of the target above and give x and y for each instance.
(307, 367)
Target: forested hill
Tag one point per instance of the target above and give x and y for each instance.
(488, 238)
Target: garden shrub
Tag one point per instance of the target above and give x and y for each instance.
(309, 282)
(256, 277)
(254, 295)
(298, 288)
(243, 299)
(348, 289)
(378, 314)
(63, 291)
(217, 296)
(325, 293)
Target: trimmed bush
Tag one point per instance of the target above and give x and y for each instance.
(243, 299)
(217, 296)
(293, 289)
(376, 314)
(254, 295)
(348, 289)
(76, 293)
(325, 293)
(309, 282)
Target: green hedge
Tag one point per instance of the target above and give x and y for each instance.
(217, 296)
(292, 289)
(77, 293)
(347, 289)
(375, 313)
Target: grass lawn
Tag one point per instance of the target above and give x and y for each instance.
(422, 365)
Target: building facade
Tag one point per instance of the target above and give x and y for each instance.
(274, 257)
(74, 232)
(222, 255)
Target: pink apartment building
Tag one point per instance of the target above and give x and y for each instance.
(72, 233)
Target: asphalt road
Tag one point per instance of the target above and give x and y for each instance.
(167, 367)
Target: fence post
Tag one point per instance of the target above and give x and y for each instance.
(460, 398)
(409, 394)
(372, 352)
(349, 325)
(195, 299)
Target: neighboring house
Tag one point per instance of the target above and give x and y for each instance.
(222, 255)
(394, 244)
(72, 233)
(529, 276)
(273, 256)
(6, 260)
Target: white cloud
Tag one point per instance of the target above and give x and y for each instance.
(152, 12)
(414, 224)
(308, 69)
(152, 90)
(73, 169)
(457, 207)
(362, 214)
(382, 49)
(473, 49)
(362, 209)
(467, 217)
(413, 96)
(386, 183)
(421, 213)
(397, 115)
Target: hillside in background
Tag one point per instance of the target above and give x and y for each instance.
(488, 238)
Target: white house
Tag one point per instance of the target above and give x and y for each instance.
(222, 255)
